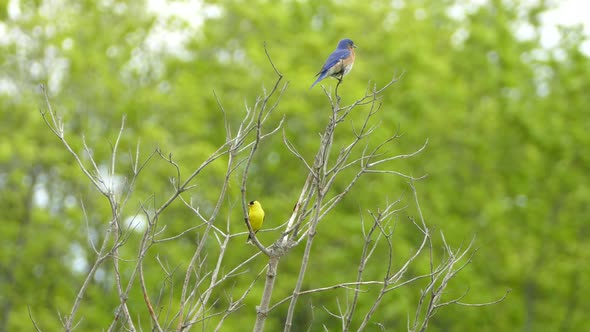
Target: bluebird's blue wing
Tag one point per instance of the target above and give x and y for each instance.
(334, 58)
(332, 61)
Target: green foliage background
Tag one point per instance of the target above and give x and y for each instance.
(507, 124)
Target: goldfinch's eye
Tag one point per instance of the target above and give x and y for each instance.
(251, 203)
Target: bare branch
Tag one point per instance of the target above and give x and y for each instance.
(484, 304)
(32, 319)
(57, 127)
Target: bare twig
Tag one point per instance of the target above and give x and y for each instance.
(32, 319)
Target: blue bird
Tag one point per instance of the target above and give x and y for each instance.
(339, 63)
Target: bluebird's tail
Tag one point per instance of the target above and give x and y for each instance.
(322, 76)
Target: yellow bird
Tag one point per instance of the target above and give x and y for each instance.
(256, 217)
